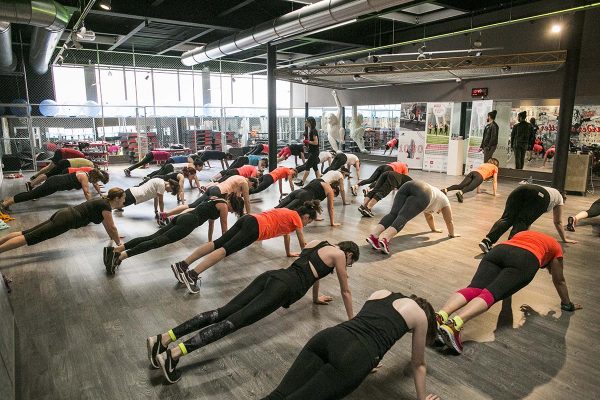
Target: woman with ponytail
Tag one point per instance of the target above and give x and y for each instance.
(247, 230)
(266, 294)
(92, 211)
(75, 180)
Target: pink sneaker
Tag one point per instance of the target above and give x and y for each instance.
(384, 246)
(373, 241)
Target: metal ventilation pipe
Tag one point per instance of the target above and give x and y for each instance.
(319, 15)
(48, 18)
(8, 61)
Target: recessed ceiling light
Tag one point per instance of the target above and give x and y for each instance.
(556, 28)
(105, 5)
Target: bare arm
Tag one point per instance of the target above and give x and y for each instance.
(223, 218)
(110, 227)
(418, 357)
(180, 194)
(558, 279)
(431, 222)
(83, 180)
(342, 274)
(161, 202)
(495, 185)
(286, 244)
(300, 237)
(343, 192)
(447, 214)
(211, 229)
(330, 208)
(558, 224)
(246, 196)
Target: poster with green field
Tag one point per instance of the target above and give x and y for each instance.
(438, 132)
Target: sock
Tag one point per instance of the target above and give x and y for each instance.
(458, 322)
(444, 315)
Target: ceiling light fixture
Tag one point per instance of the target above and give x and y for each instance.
(105, 5)
(333, 26)
(421, 57)
(304, 79)
(81, 32)
(356, 77)
(556, 28)
(478, 43)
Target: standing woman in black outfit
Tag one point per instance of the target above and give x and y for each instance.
(266, 294)
(65, 219)
(313, 150)
(336, 360)
(75, 180)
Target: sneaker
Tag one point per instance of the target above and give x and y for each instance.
(178, 268)
(570, 224)
(451, 336)
(365, 192)
(373, 241)
(384, 246)
(107, 253)
(168, 365)
(192, 284)
(439, 339)
(28, 186)
(114, 263)
(459, 196)
(445, 191)
(485, 245)
(369, 212)
(362, 210)
(354, 190)
(299, 183)
(155, 347)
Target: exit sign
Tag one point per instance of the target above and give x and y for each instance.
(479, 92)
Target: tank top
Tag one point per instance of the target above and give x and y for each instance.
(80, 162)
(247, 171)
(230, 183)
(487, 170)
(67, 181)
(299, 276)
(378, 325)
(399, 167)
(91, 211)
(207, 210)
(545, 248)
(316, 189)
(160, 155)
(280, 173)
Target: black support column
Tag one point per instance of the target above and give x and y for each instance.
(567, 101)
(272, 104)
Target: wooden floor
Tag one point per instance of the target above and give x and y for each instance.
(82, 334)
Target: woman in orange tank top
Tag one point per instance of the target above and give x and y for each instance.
(475, 178)
(247, 230)
(502, 272)
(277, 175)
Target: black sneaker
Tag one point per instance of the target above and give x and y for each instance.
(114, 263)
(571, 224)
(192, 284)
(365, 192)
(459, 196)
(361, 209)
(177, 268)
(485, 245)
(155, 347)
(354, 190)
(107, 253)
(369, 212)
(299, 183)
(168, 365)
(127, 172)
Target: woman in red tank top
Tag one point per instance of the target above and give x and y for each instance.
(502, 272)
(247, 230)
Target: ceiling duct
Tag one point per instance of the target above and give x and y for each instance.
(48, 19)
(8, 61)
(319, 15)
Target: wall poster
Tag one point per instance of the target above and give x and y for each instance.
(479, 114)
(438, 133)
(411, 137)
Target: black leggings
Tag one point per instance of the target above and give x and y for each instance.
(238, 162)
(376, 174)
(227, 173)
(330, 366)
(412, 199)
(241, 235)
(178, 229)
(212, 191)
(471, 181)
(266, 181)
(338, 162)
(256, 150)
(62, 167)
(295, 199)
(164, 170)
(594, 210)
(50, 186)
(505, 270)
(311, 162)
(262, 297)
(60, 222)
(148, 158)
(524, 205)
(384, 185)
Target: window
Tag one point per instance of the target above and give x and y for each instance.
(69, 83)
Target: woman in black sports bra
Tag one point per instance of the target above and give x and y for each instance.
(317, 189)
(180, 227)
(268, 292)
(336, 360)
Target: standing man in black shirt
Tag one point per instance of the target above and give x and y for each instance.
(519, 139)
(490, 136)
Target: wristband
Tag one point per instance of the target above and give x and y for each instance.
(567, 307)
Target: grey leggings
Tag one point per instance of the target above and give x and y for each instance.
(412, 199)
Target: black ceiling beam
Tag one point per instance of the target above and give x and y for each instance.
(235, 8)
(150, 18)
(125, 38)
